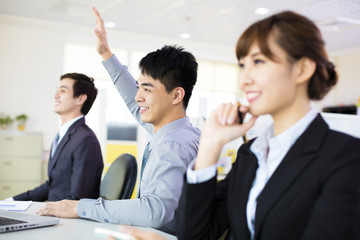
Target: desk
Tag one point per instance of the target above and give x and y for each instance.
(67, 229)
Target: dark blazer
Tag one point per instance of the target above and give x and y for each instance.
(313, 194)
(74, 171)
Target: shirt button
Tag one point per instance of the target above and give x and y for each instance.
(83, 213)
(105, 220)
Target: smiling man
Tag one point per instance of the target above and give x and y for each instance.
(75, 164)
(158, 100)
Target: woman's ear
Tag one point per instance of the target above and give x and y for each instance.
(306, 69)
(179, 94)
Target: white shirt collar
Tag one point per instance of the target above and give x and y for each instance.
(286, 139)
(65, 127)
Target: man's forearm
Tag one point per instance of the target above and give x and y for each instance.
(146, 212)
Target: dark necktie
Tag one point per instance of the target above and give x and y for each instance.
(54, 145)
(145, 159)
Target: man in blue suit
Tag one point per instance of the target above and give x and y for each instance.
(76, 163)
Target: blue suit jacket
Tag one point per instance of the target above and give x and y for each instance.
(75, 169)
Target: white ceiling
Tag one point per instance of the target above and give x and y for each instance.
(214, 21)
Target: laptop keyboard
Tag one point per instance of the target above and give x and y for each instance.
(9, 221)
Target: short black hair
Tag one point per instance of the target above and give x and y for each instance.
(173, 67)
(83, 85)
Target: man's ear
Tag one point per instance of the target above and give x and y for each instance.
(80, 100)
(306, 69)
(179, 94)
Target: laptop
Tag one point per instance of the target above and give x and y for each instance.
(13, 221)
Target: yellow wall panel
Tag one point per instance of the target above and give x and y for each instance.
(114, 150)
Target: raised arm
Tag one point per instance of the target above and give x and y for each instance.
(102, 45)
(121, 77)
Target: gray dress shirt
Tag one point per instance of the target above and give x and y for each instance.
(172, 148)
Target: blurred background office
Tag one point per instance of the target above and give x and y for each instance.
(40, 40)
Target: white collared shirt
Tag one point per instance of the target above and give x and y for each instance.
(64, 128)
(270, 150)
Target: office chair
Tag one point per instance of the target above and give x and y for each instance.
(119, 181)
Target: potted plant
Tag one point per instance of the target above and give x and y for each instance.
(5, 121)
(21, 119)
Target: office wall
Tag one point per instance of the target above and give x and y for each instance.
(31, 62)
(32, 59)
(348, 64)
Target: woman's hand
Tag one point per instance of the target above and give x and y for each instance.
(220, 128)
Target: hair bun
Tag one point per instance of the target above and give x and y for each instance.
(330, 67)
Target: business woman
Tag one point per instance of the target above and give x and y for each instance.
(299, 179)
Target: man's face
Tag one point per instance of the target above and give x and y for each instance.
(154, 102)
(65, 103)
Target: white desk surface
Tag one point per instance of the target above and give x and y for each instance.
(67, 229)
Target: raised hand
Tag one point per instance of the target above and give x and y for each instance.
(102, 45)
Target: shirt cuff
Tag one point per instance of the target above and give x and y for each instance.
(86, 207)
(9, 199)
(202, 175)
(113, 65)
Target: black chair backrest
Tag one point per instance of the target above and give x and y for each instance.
(119, 181)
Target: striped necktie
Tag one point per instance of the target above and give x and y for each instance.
(55, 144)
(143, 164)
(145, 159)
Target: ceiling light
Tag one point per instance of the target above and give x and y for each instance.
(349, 20)
(261, 11)
(338, 23)
(110, 24)
(185, 35)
